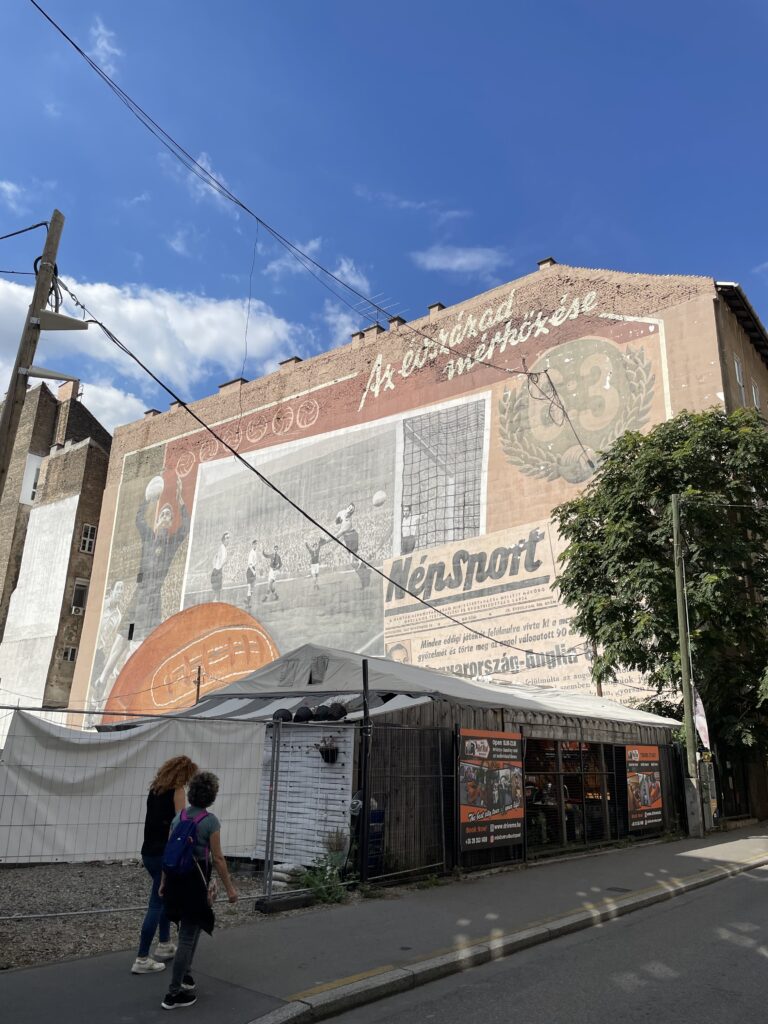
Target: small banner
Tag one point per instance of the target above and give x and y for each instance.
(644, 787)
(491, 794)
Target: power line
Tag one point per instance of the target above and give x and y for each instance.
(20, 273)
(281, 494)
(21, 231)
(310, 264)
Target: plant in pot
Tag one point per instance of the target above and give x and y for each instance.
(328, 749)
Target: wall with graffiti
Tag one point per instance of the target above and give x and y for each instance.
(433, 461)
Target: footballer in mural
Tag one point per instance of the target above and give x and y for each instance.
(407, 482)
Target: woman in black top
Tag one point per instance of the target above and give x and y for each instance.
(165, 799)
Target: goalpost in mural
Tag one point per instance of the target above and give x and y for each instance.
(442, 471)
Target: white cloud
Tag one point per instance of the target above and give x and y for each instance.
(340, 322)
(179, 243)
(286, 263)
(103, 49)
(392, 201)
(13, 196)
(183, 337)
(200, 191)
(463, 260)
(350, 273)
(137, 200)
(111, 405)
(761, 268)
(53, 109)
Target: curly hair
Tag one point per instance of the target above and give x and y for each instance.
(203, 789)
(176, 772)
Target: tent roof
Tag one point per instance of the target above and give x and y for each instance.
(317, 672)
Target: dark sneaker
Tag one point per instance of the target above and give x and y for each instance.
(188, 983)
(174, 1002)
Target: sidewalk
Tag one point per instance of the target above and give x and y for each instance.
(308, 964)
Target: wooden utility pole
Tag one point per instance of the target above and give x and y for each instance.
(17, 387)
(693, 801)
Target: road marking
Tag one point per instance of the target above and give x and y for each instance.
(351, 979)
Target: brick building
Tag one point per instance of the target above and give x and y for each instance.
(49, 517)
(425, 451)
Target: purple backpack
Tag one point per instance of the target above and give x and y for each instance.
(179, 855)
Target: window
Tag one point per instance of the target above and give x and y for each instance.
(70, 653)
(88, 539)
(755, 396)
(29, 484)
(740, 380)
(79, 596)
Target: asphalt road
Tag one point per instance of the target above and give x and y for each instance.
(698, 959)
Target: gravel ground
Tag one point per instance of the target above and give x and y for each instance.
(99, 886)
(55, 888)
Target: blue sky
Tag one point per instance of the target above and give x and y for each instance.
(422, 151)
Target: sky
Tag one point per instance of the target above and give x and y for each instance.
(422, 152)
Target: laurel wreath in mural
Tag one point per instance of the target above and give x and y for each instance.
(524, 450)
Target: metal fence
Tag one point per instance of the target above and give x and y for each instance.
(299, 802)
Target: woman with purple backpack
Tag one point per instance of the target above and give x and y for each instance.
(188, 901)
(166, 798)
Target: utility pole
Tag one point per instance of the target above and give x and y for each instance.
(692, 798)
(17, 388)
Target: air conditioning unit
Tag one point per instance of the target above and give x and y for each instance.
(77, 610)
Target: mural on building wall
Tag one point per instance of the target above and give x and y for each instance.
(440, 469)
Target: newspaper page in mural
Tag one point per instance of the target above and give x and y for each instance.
(644, 787)
(501, 584)
(491, 805)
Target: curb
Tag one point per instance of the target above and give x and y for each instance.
(400, 979)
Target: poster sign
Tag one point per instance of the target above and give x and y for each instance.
(491, 795)
(643, 787)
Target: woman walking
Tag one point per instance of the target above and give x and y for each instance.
(186, 896)
(166, 798)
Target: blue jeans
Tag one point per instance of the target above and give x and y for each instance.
(155, 919)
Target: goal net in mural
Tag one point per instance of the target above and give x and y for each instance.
(442, 475)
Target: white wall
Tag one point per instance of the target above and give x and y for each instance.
(35, 606)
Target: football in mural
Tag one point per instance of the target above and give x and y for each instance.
(225, 642)
(154, 488)
(379, 498)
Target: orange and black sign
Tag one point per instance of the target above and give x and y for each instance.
(644, 787)
(491, 793)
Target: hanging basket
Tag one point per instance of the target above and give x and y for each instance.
(328, 751)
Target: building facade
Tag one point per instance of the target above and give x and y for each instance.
(434, 451)
(49, 518)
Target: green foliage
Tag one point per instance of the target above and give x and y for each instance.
(618, 570)
(323, 881)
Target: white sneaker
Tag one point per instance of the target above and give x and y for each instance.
(165, 950)
(146, 965)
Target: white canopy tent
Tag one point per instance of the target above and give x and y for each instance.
(312, 674)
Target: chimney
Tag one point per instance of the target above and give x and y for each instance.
(358, 338)
(395, 321)
(68, 391)
(231, 385)
(149, 413)
(291, 361)
(372, 331)
(435, 308)
(549, 261)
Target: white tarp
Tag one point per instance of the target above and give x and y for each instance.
(311, 669)
(80, 796)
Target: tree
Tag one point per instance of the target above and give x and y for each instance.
(618, 570)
